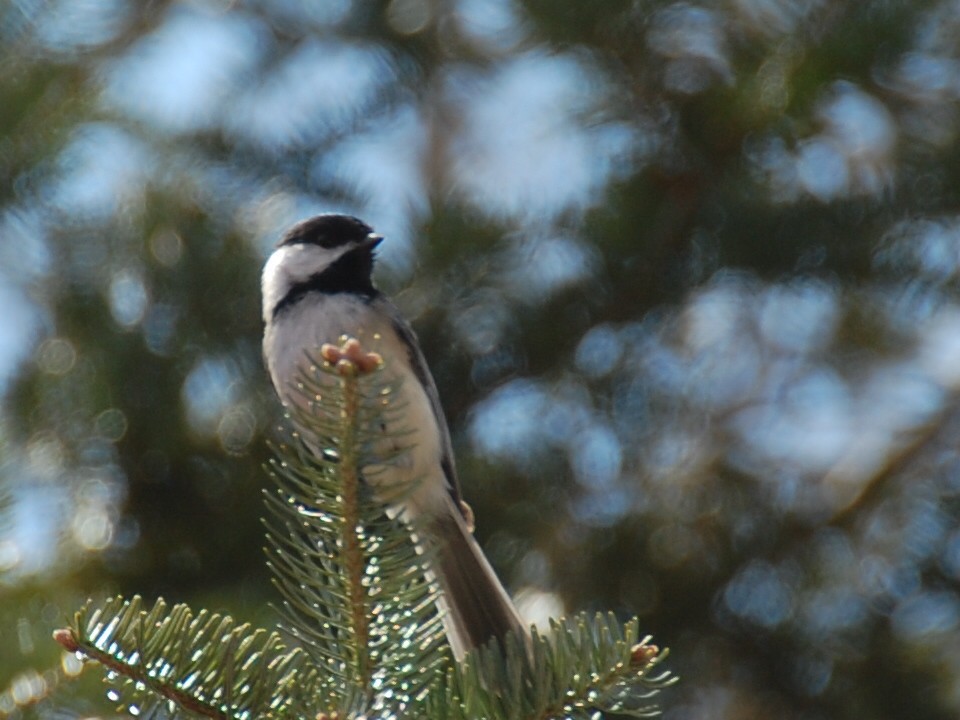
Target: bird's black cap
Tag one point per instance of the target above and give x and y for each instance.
(327, 231)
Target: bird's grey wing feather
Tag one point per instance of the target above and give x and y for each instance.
(422, 372)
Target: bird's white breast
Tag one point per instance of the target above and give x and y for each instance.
(300, 331)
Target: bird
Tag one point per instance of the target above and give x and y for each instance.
(317, 288)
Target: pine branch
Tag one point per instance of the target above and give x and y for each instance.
(206, 664)
(353, 557)
(353, 579)
(585, 666)
(358, 598)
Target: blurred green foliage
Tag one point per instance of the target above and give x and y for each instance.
(686, 274)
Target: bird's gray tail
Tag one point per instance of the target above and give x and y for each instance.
(475, 605)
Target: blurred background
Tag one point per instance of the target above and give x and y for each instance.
(686, 273)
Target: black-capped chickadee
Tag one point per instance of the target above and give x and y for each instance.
(317, 287)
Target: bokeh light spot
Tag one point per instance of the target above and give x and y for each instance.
(237, 429)
(56, 356)
(128, 298)
(111, 424)
(192, 62)
(759, 594)
(409, 17)
(598, 351)
(926, 614)
(166, 246)
(10, 555)
(92, 528)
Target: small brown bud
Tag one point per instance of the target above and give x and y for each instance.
(330, 353)
(351, 348)
(350, 358)
(641, 654)
(65, 637)
(369, 362)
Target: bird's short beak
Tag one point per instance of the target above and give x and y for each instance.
(371, 241)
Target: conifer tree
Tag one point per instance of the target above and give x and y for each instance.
(360, 635)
